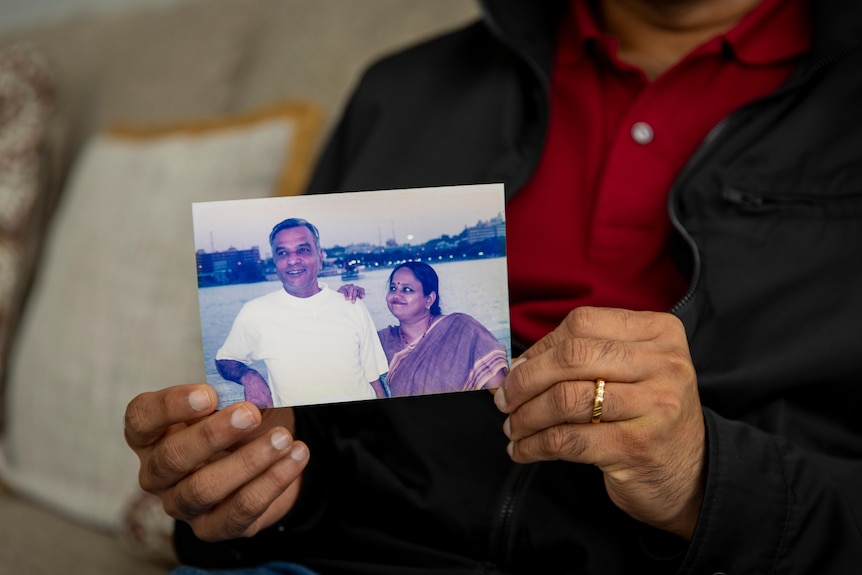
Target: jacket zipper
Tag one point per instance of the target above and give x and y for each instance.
(689, 167)
(500, 550)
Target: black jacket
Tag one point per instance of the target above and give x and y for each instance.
(768, 215)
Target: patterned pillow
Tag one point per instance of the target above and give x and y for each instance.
(26, 102)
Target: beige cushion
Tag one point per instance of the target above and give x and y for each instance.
(114, 311)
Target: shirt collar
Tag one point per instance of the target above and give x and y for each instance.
(584, 34)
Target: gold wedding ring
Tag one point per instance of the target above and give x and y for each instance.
(599, 401)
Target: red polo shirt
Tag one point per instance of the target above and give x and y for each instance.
(591, 227)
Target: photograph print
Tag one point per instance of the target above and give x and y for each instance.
(353, 296)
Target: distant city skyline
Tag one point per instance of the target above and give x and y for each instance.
(408, 216)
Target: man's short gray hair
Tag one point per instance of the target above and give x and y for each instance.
(295, 223)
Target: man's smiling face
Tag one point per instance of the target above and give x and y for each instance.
(297, 261)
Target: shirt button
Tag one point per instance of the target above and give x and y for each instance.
(642, 133)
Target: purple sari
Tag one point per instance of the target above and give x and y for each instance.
(457, 353)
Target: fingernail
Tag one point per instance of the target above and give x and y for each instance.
(299, 452)
(518, 361)
(507, 428)
(500, 398)
(241, 418)
(510, 449)
(199, 400)
(280, 440)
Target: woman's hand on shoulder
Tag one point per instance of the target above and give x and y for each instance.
(352, 292)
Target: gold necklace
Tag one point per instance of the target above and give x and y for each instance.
(412, 346)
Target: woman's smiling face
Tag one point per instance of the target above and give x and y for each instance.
(405, 298)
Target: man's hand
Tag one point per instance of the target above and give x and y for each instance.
(650, 441)
(228, 473)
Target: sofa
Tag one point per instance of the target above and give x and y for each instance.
(111, 126)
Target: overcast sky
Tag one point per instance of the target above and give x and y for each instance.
(410, 216)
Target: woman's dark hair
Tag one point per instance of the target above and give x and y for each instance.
(427, 277)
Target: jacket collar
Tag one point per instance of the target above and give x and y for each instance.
(836, 27)
(527, 26)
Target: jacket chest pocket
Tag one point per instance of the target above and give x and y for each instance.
(837, 206)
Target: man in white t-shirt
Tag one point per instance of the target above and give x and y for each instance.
(317, 345)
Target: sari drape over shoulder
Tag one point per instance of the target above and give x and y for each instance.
(457, 353)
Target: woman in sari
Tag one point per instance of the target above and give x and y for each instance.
(429, 352)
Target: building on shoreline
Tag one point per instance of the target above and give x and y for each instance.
(230, 267)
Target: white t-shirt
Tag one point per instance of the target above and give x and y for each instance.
(319, 349)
